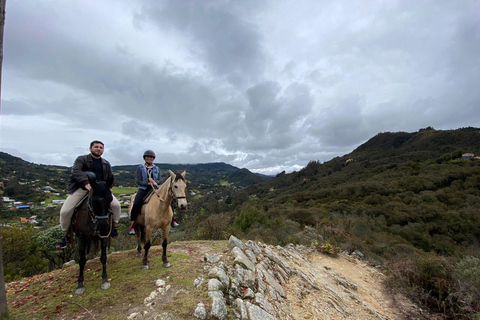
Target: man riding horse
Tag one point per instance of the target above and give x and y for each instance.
(78, 186)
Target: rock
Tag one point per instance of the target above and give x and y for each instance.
(257, 313)
(242, 259)
(215, 285)
(263, 303)
(235, 242)
(213, 259)
(242, 309)
(197, 282)
(68, 264)
(220, 274)
(219, 308)
(200, 311)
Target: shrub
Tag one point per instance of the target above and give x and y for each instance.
(21, 254)
(467, 277)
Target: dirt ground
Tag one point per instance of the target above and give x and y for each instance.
(349, 289)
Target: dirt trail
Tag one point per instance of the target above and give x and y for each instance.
(349, 289)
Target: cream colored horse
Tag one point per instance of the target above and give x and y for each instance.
(158, 214)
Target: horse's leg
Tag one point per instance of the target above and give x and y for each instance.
(81, 263)
(103, 259)
(146, 246)
(139, 233)
(166, 264)
(139, 246)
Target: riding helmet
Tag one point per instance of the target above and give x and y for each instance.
(149, 153)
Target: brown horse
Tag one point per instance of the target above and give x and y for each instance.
(158, 214)
(92, 223)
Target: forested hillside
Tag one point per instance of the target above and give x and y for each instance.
(404, 202)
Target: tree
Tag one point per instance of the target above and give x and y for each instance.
(3, 293)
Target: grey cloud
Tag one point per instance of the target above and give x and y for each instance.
(218, 31)
(137, 130)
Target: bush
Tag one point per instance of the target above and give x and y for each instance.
(46, 241)
(467, 277)
(22, 256)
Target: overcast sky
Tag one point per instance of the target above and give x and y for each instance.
(263, 85)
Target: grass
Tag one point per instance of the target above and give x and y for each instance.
(124, 190)
(52, 295)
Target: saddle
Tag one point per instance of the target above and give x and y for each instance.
(148, 196)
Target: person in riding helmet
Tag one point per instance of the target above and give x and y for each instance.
(78, 186)
(148, 177)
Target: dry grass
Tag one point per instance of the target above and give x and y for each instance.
(52, 295)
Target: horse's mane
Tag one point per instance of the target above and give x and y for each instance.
(178, 176)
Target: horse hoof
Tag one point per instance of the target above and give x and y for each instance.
(80, 290)
(106, 285)
(166, 265)
(145, 267)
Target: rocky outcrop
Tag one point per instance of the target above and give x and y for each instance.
(252, 285)
(255, 281)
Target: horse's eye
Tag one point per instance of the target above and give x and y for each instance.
(175, 186)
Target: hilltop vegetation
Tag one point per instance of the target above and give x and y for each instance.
(405, 202)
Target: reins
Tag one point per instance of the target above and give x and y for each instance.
(95, 218)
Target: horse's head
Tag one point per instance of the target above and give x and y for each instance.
(177, 187)
(100, 199)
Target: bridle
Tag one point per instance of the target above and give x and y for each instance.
(170, 190)
(95, 218)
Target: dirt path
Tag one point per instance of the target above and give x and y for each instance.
(348, 289)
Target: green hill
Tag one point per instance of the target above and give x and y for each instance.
(405, 202)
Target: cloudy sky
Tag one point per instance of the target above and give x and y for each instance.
(264, 85)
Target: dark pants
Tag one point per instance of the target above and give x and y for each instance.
(137, 204)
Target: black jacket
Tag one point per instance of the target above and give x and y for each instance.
(79, 179)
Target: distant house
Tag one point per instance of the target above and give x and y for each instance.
(23, 207)
(467, 156)
(59, 201)
(7, 199)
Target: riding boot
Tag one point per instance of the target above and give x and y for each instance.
(66, 240)
(114, 233)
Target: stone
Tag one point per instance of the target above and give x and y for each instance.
(242, 309)
(257, 313)
(213, 259)
(220, 274)
(263, 303)
(235, 242)
(242, 259)
(215, 285)
(218, 309)
(200, 311)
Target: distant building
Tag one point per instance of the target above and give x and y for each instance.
(59, 201)
(467, 156)
(7, 199)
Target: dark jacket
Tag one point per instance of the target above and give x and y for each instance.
(79, 179)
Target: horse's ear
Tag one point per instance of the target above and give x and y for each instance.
(171, 174)
(184, 173)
